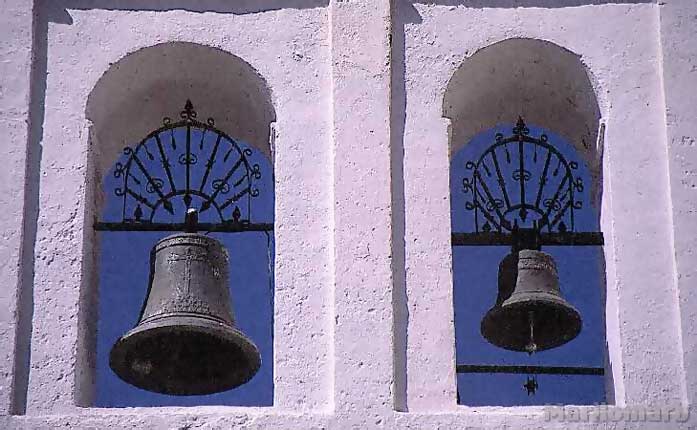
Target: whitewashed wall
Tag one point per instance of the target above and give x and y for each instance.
(357, 87)
(618, 45)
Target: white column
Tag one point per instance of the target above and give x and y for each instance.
(362, 206)
(679, 45)
(16, 44)
(431, 378)
(642, 312)
(303, 274)
(63, 270)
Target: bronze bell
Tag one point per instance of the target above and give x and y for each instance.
(186, 341)
(530, 314)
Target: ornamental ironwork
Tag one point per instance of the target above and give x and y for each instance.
(186, 165)
(523, 181)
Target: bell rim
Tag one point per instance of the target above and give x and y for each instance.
(227, 333)
(495, 319)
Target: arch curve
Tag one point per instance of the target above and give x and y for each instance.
(544, 83)
(138, 91)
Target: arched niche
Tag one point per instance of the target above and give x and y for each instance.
(549, 86)
(135, 93)
(127, 104)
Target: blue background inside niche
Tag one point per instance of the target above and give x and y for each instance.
(475, 271)
(124, 270)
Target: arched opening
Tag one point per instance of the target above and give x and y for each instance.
(542, 82)
(213, 155)
(542, 176)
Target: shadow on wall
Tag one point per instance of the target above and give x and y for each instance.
(505, 4)
(60, 14)
(25, 299)
(135, 93)
(538, 80)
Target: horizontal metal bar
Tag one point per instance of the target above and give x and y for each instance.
(204, 227)
(530, 370)
(546, 239)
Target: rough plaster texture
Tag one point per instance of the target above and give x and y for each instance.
(294, 62)
(645, 361)
(15, 74)
(678, 32)
(362, 210)
(364, 334)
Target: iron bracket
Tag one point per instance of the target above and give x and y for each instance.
(530, 370)
(545, 239)
(227, 227)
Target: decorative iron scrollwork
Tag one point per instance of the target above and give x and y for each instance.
(210, 172)
(522, 181)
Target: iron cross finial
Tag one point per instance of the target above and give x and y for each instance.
(188, 113)
(531, 385)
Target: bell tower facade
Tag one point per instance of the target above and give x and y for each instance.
(357, 107)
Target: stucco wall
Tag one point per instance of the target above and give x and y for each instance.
(17, 229)
(294, 61)
(680, 74)
(645, 365)
(364, 334)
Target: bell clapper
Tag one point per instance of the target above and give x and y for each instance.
(531, 347)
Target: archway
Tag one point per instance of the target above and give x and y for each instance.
(550, 88)
(139, 103)
(544, 83)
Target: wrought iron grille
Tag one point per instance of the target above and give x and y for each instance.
(186, 164)
(524, 193)
(506, 193)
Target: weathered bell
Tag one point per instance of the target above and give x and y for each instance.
(186, 341)
(530, 314)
